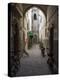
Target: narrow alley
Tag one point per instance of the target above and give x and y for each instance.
(33, 39)
(34, 64)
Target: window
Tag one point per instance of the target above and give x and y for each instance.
(35, 17)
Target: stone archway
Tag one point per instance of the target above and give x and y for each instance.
(43, 8)
(41, 12)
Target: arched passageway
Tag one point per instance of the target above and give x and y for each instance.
(34, 24)
(33, 61)
(29, 29)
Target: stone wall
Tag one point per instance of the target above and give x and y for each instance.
(15, 38)
(52, 19)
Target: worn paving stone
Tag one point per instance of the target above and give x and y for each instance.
(34, 64)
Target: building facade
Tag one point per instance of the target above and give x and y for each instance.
(35, 24)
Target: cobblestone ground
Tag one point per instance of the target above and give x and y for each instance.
(34, 64)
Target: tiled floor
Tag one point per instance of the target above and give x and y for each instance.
(34, 64)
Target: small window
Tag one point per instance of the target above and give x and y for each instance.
(35, 17)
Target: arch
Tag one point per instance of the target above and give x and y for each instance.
(37, 6)
(27, 8)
